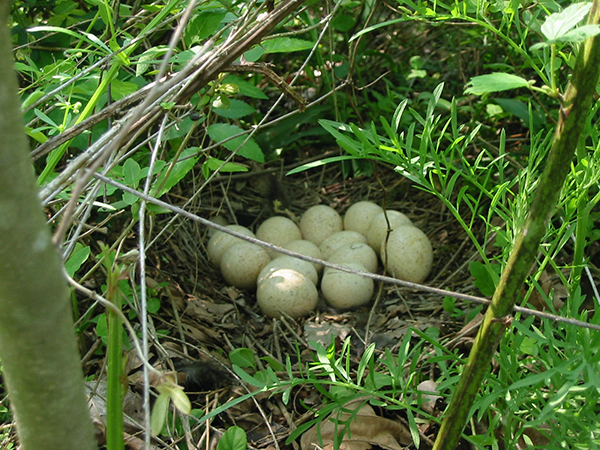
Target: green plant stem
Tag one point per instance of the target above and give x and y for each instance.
(584, 205)
(114, 390)
(41, 366)
(573, 114)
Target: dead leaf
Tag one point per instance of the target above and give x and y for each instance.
(364, 430)
(132, 407)
(427, 391)
(322, 332)
(207, 311)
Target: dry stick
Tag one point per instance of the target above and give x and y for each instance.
(233, 51)
(374, 276)
(199, 79)
(573, 113)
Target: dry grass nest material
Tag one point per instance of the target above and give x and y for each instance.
(186, 263)
(207, 318)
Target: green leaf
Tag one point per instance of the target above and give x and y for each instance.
(221, 131)
(362, 366)
(245, 87)
(273, 363)
(182, 167)
(254, 53)
(484, 281)
(36, 134)
(32, 98)
(151, 55)
(153, 305)
(246, 377)
(233, 439)
(580, 34)
(212, 164)
(558, 24)
(102, 327)
(45, 118)
(203, 25)
(159, 413)
(79, 255)
(319, 163)
(286, 45)
(343, 22)
(242, 357)
(120, 89)
(88, 37)
(496, 82)
(414, 430)
(236, 109)
(180, 400)
(131, 173)
(376, 27)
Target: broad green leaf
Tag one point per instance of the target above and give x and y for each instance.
(483, 280)
(245, 87)
(496, 82)
(131, 172)
(343, 22)
(36, 134)
(579, 34)
(212, 164)
(186, 162)
(273, 363)
(151, 55)
(32, 98)
(233, 439)
(153, 305)
(286, 45)
(573, 36)
(558, 24)
(514, 106)
(254, 53)
(115, 47)
(221, 131)
(180, 400)
(120, 89)
(159, 413)
(203, 25)
(236, 109)
(266, 376)
(79, 255)
(242, 357)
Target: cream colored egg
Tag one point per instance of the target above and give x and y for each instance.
(289, 262)
(378, 227)
(286, 291)
(329, 246)
(242, 262)
(345, 290)
(221, 241)
(357, 252)
(319, 222)
(359, 216)
(219, 220)
(304, 247)
(408, 255)
(278, 230)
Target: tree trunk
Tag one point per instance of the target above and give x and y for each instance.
(38, 349)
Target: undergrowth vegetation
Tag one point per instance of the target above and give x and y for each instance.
(115, 95)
